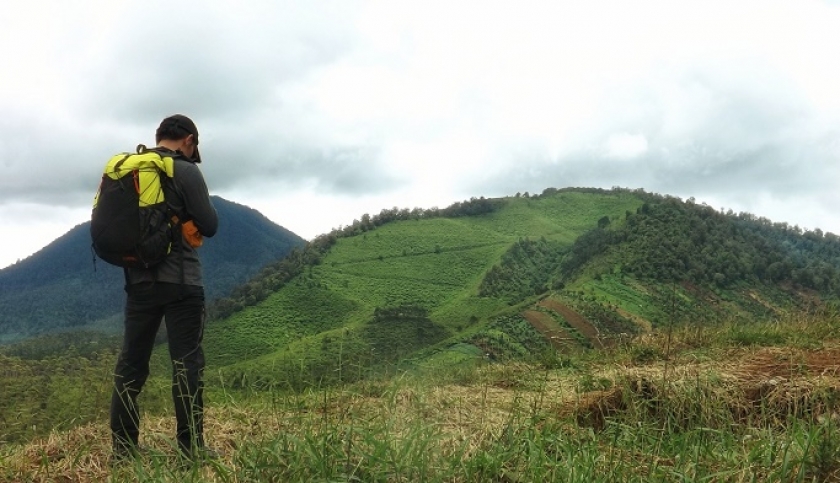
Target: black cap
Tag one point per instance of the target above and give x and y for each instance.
(184, 124)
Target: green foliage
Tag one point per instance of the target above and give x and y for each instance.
(396, 332)
(823, 457)
(600, 311)
(679, 262)
(510, 338)
(524, 271)
(588, 382)
(304, 308)
(756, 335)
(270, 279)
(329, 358)
(341, 356)
(57, 392)
(670, 240)
(86, 344)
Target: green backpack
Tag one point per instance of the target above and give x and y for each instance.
(131, 224)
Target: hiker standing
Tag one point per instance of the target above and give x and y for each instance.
(171, 290)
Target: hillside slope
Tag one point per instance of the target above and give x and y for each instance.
(59, 288)
(435, 263)
(575, 268)
(669, 263)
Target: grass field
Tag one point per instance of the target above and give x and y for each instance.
(730, 403)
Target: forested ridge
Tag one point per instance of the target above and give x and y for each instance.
(667, 239)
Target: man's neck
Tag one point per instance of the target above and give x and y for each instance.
(169, 144)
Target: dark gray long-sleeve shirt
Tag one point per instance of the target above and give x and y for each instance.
(186, 194)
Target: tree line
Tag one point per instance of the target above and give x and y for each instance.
(526, 269)
(668, 239)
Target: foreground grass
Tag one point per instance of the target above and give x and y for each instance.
(734, 403)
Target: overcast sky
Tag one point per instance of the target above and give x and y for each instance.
(317, 112)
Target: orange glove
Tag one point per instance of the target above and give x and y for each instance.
(191, 234)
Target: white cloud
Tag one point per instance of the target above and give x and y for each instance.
(351, 107)
(27, 227)
(625, 145)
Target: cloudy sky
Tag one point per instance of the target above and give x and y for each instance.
(316, 112)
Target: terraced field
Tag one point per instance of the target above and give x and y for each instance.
(558, 336)
(575, 320)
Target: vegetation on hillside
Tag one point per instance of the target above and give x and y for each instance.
(732, 402)
(433, 260)
(525, 270)
(540, 214)
(275, 275)
(670, 240)
(569, 285)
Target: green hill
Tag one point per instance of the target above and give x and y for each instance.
(433, 260)
(510, 277)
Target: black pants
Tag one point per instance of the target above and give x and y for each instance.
(183, 310)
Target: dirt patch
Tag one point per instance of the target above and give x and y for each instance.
(780, 363)
(575, 320)
(593, 409)
(700, 293)
(766, 388)
(550, 329)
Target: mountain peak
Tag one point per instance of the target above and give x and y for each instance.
(61, 286)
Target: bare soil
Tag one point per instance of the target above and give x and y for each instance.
(766, 387)
(575, 320)
(559, 337)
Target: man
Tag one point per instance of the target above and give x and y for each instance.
(171, 290)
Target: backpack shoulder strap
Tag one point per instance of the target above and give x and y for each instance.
(114, 169)
(119, 163)
(124, 163)
(162, 158)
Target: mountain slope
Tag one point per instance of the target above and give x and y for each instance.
(58, 287)
(585, 266)
(431, 262)
(682, 262)
(669, 263)
(543, 279)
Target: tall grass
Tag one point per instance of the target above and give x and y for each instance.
(737, 403)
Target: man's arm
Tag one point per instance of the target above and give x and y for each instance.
(196, 198)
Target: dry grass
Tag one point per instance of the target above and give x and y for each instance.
(468, 416)
(759, 386)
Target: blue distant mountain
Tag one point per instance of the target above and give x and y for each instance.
(59, 287)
